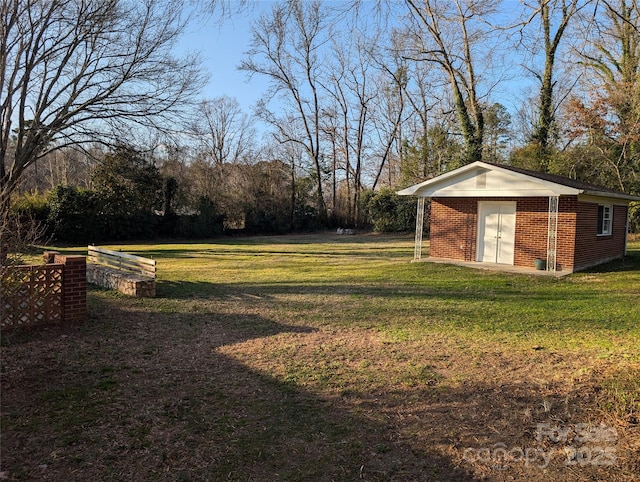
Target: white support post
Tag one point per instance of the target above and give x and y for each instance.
(626, 232)
(552, 233)
(417, 252)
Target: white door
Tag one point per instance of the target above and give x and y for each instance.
(496, 232)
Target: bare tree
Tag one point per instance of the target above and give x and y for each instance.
(446, 33)
(389, 115)
(390, 108)
(336, 121)
(225, 132)
(73, 72)
(289, 154)
(330, 130)
(351, 88)
(285, 48)
(554, 18)
(18, 234)
(605, 120)
(423, 93)
(615, 47)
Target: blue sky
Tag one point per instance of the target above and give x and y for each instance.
(221, 45)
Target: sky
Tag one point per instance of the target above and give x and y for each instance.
(222, 46)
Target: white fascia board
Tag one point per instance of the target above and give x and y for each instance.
(599, 197)
(413, 190)
(434, 187)
(489, 193)
(408, 191)
(554, 187)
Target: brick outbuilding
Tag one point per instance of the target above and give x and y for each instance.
(501, 215)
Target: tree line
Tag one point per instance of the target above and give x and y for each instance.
(363, 97)
(133, 195)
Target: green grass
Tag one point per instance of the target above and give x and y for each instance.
(369, 282)
(323, 357)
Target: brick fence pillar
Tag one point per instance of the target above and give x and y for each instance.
(49, 256)
(74, 287)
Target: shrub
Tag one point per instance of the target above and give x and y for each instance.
(74, 215)
(33, 206)
(389, 213)
(207, 223)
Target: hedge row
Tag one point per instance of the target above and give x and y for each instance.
(76, 215)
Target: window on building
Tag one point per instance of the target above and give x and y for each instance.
(605, 217)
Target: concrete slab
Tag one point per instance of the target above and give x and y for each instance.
(505, 268)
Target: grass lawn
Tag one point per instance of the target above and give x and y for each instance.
(325, 357)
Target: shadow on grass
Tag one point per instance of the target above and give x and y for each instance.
(300, 245)
(260, 252)
(502, 305)
(183, 290)
(144, 395)
(631, 262)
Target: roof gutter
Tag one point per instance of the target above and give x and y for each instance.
(614, 195)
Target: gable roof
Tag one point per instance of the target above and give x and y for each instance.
(482, 179)
(567, 181)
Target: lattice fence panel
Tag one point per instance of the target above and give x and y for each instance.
(31, 295)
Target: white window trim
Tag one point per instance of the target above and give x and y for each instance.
(606, 208)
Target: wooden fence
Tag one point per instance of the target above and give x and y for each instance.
(129, 263)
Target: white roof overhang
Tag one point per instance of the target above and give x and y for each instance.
(606, 197)
(480, 179)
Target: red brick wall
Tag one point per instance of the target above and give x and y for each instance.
(532, 230)
(51, 293)
(453, 228)
(592, 249)
(74, 287)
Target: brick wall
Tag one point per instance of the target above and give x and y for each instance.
(532, 230)
(54, 292)
(454, 227)
(591, 249)
(30, 295)
(74, 287)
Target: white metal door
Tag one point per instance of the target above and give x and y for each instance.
(496, 232)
